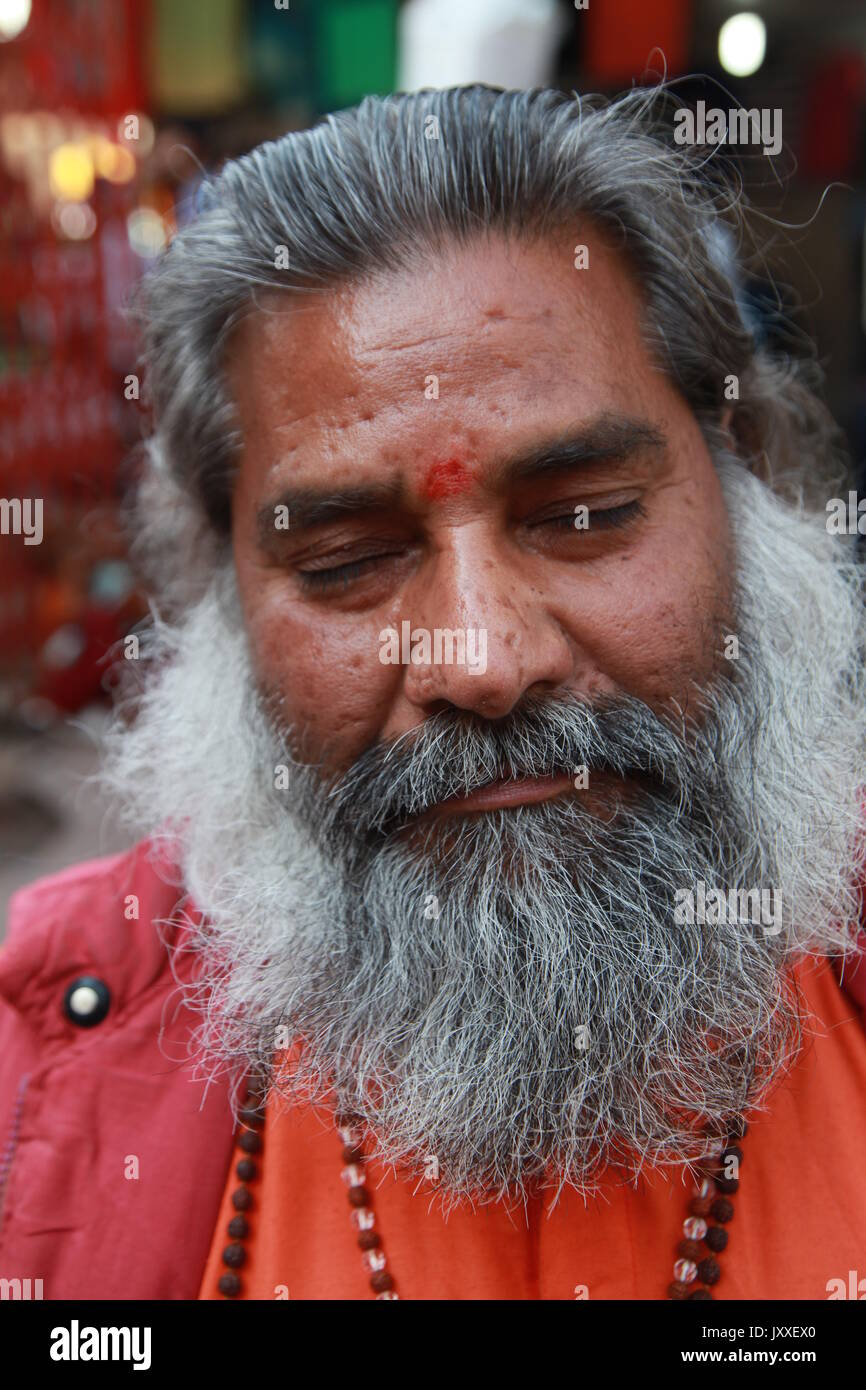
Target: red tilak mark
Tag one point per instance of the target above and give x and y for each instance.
(447, 479)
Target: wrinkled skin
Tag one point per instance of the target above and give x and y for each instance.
(334, 391)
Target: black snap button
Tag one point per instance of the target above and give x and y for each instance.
(86, 1001)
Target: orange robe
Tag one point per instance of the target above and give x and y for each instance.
(799, 1215)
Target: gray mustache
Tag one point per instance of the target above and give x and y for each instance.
(453, 755)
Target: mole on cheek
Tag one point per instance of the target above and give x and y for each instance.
(448, 478)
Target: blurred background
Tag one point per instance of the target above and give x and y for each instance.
(110, 112)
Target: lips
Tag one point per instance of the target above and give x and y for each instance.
(503, 793)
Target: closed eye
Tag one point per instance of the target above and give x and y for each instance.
(341, 576)
(606, 518)
(315, 581)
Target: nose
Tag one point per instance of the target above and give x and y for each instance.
(482, 637)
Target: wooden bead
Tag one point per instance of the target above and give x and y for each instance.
(358, 1196)
(700, 1295)
(234, 1255)
(716, 1239)
(242, 1199)
(246, 1170)
(381, 1281)
(732, 1151)
(250, 1142)
(351, 1154)
(700, 1206)
(238, 1228)
(709, 1271)
(722, 1210)
(728, 1184)
(229, 1285)
(690, 1250)
(252, 1115)
(677, 1291)
(369, 1240)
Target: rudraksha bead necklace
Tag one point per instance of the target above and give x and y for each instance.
(696, 1269)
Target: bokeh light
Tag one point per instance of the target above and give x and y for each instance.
(742, 44)
(147, 232)
(14, 15)
(71, 173)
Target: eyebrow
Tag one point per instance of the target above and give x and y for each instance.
(309, 506)
(606, 439)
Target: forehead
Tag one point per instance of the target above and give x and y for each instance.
(468, 351)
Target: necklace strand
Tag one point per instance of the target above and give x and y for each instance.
(696, 1269)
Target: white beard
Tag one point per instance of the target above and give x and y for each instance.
(553, 1017)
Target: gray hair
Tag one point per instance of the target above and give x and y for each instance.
(377, 188)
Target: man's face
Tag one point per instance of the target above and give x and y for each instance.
(432, 434)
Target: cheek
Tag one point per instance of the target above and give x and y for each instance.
(325, 673)
(653, 622)
(683, 593)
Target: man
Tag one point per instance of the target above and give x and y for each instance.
(499, 747)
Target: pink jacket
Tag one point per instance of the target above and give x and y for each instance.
(79, 1104)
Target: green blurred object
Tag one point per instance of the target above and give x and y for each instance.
(356, 50)
(280, 47)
